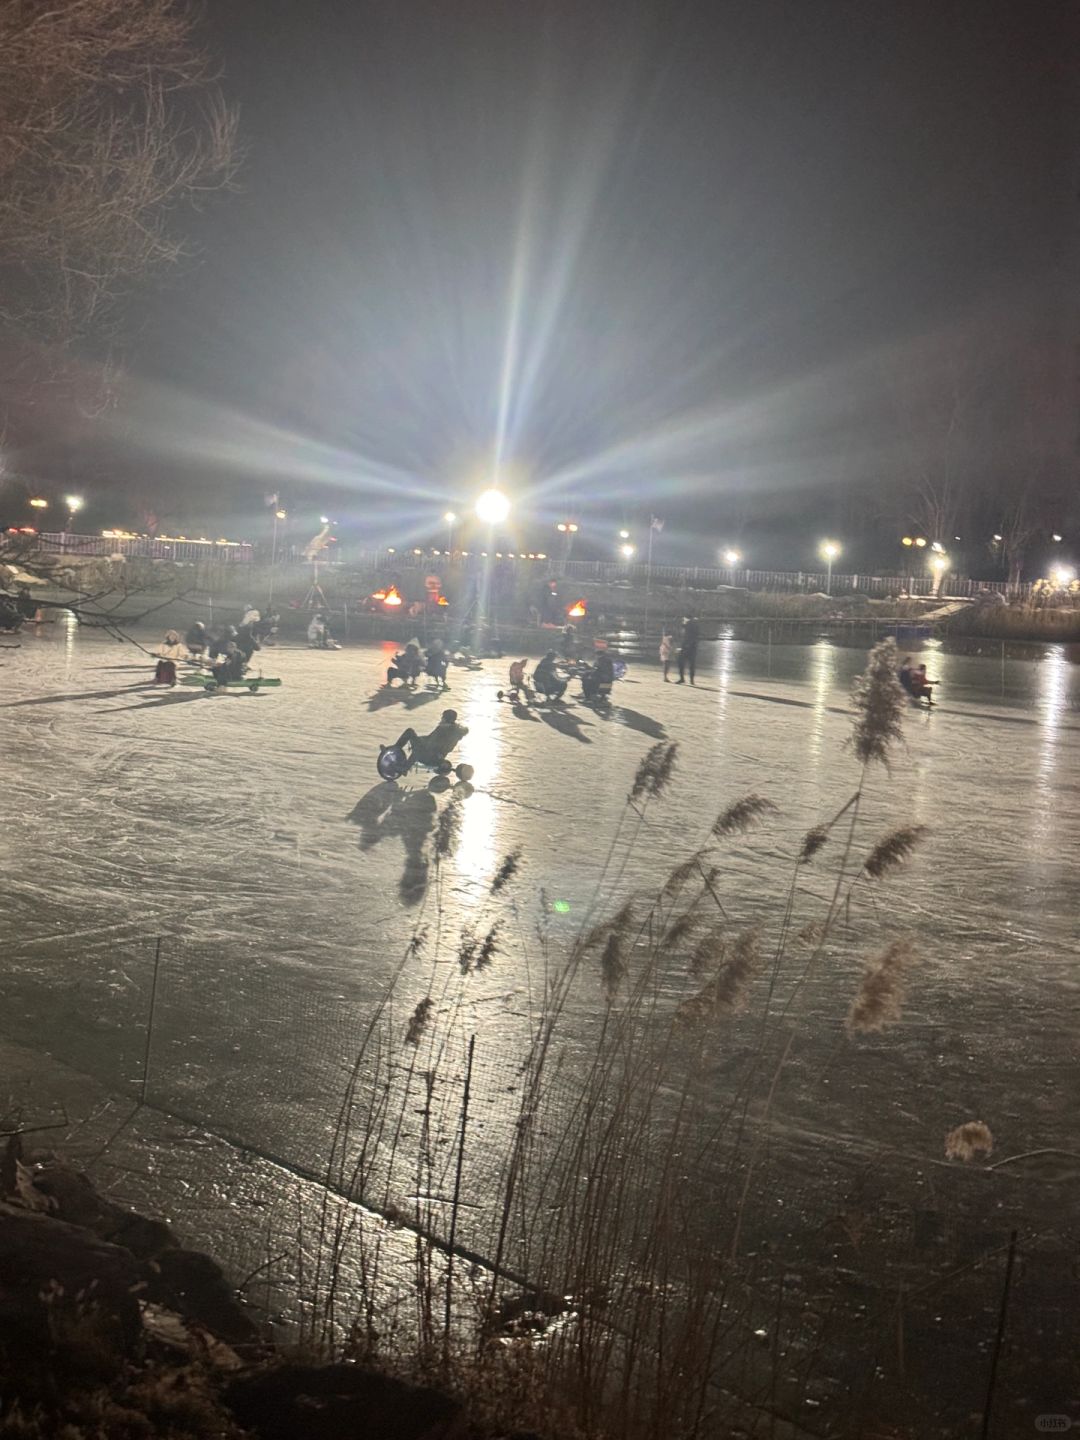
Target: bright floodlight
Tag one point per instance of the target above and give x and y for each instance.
(280, 514)
(939, 561)
(731, 557)
(1055, 536)
(492, 507)
(624, 534)
(449, 517)
(830, 549)
(627, 550)
(73, 502)
(1063, 575)
(38, 503)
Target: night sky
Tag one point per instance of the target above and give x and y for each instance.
(665, 257)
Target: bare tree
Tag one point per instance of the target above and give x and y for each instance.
(936, 398)
(110, 120)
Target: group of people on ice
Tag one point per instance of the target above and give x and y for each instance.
(409, 664)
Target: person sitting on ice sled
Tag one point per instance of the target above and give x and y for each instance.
(231, 664)
(319, 636)
(169, 652)
(517, 680)
(430, 749)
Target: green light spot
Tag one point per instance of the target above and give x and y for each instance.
(561, 907)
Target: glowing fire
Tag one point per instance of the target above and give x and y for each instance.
(442, 600)
(577, 610)
(388, 597)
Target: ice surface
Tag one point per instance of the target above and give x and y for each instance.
(253, 834)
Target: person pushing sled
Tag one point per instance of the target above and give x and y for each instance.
(430, 750)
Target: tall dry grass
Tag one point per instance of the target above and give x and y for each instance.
(577, 1202)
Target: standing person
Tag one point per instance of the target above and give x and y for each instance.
(691, 635)
(667, 650)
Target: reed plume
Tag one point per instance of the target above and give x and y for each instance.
(418, 1021)
(880, 996)
(892, 850)
(742, 815)
(879, 702)
(968, 1140)
(507, 870)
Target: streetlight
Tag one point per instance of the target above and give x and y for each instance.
(1055, 536)
(624, 534)
(38, 504)
(492, 507)
(451, 521)
(939, 562)
(830, 550)
(74, 504)
(731, 558)
(1063, 576)
(627, 551)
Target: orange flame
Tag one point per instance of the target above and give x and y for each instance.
(442, 600)
(577, 610)
(392, 597)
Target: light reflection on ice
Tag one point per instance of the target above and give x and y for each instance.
(475, 858)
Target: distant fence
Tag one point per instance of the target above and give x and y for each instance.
(145, 547)
(693, 577)
(685, 577)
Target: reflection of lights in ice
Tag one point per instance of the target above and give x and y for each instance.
(476, 857)
(822, 678)
(1053, 674)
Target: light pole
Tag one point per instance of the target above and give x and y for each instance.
(939, 563)
(627, 552)
(731, 558)
(279, 514)
(451, 521)
(829, 550)
(74, 504)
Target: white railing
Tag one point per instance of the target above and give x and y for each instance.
(144, 547)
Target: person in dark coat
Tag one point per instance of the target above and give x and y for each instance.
(688, 647)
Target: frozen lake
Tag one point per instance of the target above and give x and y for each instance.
(253, 835)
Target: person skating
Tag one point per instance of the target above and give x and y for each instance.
(434, 747)
(547, 679)
(688, 647)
